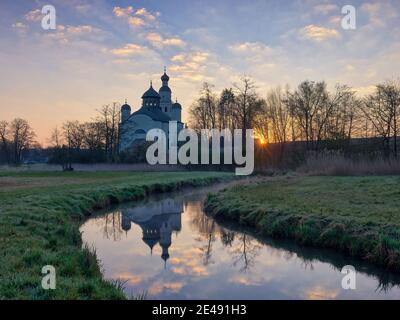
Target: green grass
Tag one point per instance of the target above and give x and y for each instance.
(356, 215)
(40, 215)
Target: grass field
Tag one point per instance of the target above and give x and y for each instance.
(40, 215)
(356, 215)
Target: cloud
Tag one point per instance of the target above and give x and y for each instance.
(379, 13)
(318, 33)
(174, 42)
(82, 8)
(194, 66)
(128, 277)
(178, 58)
(320, 293)
(130, 49)
(145, 13)
(136, 21)
(257, 54)
(123, 12)
(136, 18)
(325, 8)
(65, 34)
(20, 28)
(191, 60)
(245, 48)
(158, 287)
(158, 41)
(372, 8)
(80, 29)
(34, 15)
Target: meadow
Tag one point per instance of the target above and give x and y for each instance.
(40, 215)
(359, 216)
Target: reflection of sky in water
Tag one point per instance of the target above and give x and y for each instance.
(204, 260)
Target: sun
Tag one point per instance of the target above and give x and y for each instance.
(263, 141)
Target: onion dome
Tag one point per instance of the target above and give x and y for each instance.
(126, 106)
(151, 93)
(176, 105)
(165, 77)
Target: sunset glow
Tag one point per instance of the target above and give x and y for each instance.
(104, 52)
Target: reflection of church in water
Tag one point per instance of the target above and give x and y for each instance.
(157, 222)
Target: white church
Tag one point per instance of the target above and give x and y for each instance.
(157, 111)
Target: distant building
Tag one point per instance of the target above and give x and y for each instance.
(157, 111)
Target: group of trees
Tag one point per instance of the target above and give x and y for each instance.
(310, 114)
(93, 141)
(16, 138)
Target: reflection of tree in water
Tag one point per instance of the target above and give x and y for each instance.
(112, 225)
(207, 230)
(308, 256)
(307, 264)
(206, 249)
(245, 251)
(227, 237)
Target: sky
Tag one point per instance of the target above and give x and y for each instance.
(108, 51)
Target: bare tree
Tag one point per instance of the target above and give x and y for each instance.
(22, 137)
(93, 138)
(335, 118)
(203, 112)
(390, 92)
(109, 118)
(279, 115)
(56, 139)
(382, 110)
(225, 109)
(307, 105)
(4, 141)
(247, 104)
(74, 133)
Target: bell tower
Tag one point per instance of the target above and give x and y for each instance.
(165, 94)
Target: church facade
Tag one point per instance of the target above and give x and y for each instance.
(156, 112)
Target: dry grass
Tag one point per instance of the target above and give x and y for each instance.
(338, 165)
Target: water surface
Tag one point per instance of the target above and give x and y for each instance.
(167, 247)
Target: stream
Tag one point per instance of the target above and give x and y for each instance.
(167, 248)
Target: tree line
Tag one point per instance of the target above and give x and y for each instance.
(87, 142)
(310, 114)
(92, 141)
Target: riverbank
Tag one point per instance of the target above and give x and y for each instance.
(40, 215)
(359, 216)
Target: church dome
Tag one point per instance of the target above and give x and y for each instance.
(151, 242)
(126, 107)
(176, 105)
(165, 256)
(151, 93)
(164, 77)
